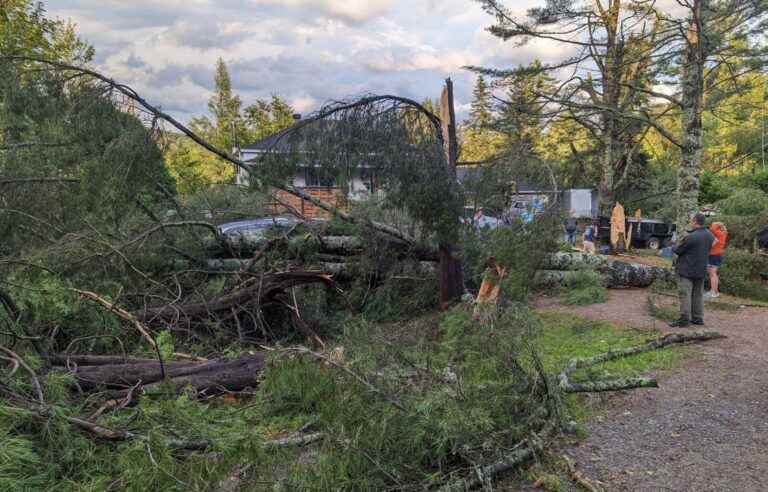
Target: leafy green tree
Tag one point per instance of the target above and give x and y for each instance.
(264, 118)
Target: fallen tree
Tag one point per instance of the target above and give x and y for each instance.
(616, 273)
(264, 290)
(206, 377)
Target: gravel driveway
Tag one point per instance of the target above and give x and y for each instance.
(704, 429)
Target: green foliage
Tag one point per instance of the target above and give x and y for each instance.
(480, 113)
(265, 118)
(164, 341)
(566, 336)
(373, 444)
(521, 250)
(746, 201)
(584, 286)
(713, 189)
(740, 274)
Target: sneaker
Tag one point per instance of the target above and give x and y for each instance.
(715, 294)
(708, 295)
(697, 321)
(679, 323)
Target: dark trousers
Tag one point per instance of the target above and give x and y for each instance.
(691, 292)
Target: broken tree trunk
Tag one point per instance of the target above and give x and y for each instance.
(264, 291)
(209, 377)
(616, 273)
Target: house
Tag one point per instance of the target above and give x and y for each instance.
(518, 195)
(361, 185)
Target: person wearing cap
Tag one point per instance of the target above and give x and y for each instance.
(692, 261)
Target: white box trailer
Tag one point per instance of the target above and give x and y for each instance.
(581, 201)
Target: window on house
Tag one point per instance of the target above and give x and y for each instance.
(314, 176)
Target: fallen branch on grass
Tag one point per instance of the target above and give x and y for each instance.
(621, 384)
(610, 385)
(526, 451)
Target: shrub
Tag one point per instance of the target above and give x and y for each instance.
(740, 274)
(746, 201)
(583, 287)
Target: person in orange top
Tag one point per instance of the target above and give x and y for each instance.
(716, 257)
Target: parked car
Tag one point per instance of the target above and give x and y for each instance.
(646, 233)
(251, 225)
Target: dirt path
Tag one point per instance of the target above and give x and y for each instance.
(704, 429)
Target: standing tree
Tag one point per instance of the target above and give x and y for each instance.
(480, 141)
(264, 118)
(640, 53)
(481, 112)
(607, 69)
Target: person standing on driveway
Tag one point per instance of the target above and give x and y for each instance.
(716, 257)
(570, 224)
(692, 260)
(589, 239)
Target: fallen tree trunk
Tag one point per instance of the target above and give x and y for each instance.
(209, 377)
(344, 269)
(616, 273)
(249, 242)
(261, 292)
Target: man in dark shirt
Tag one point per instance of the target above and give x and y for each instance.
(570, 224)
(692, 259)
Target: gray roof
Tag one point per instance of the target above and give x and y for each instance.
(290, 138)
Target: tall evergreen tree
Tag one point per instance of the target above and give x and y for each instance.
(481, 112)
(225, 107)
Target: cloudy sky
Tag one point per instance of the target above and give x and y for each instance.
(307, 51)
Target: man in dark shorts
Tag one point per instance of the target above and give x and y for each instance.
(692, 260)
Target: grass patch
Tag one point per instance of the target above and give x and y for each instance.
(583, 287)
(566, 336)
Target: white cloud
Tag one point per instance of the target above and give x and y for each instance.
(307, 51)
(353, 11)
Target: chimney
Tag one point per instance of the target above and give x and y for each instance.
(296, 116)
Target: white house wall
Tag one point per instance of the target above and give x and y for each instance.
(357, 191)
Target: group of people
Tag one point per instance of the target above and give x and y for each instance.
(699, 255)
(571, 226)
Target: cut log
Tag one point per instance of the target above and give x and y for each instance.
(616, 273)
(209, 377)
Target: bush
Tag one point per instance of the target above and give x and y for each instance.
(740, 274)
(746, 201)
(583, 287)
(464, 397)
